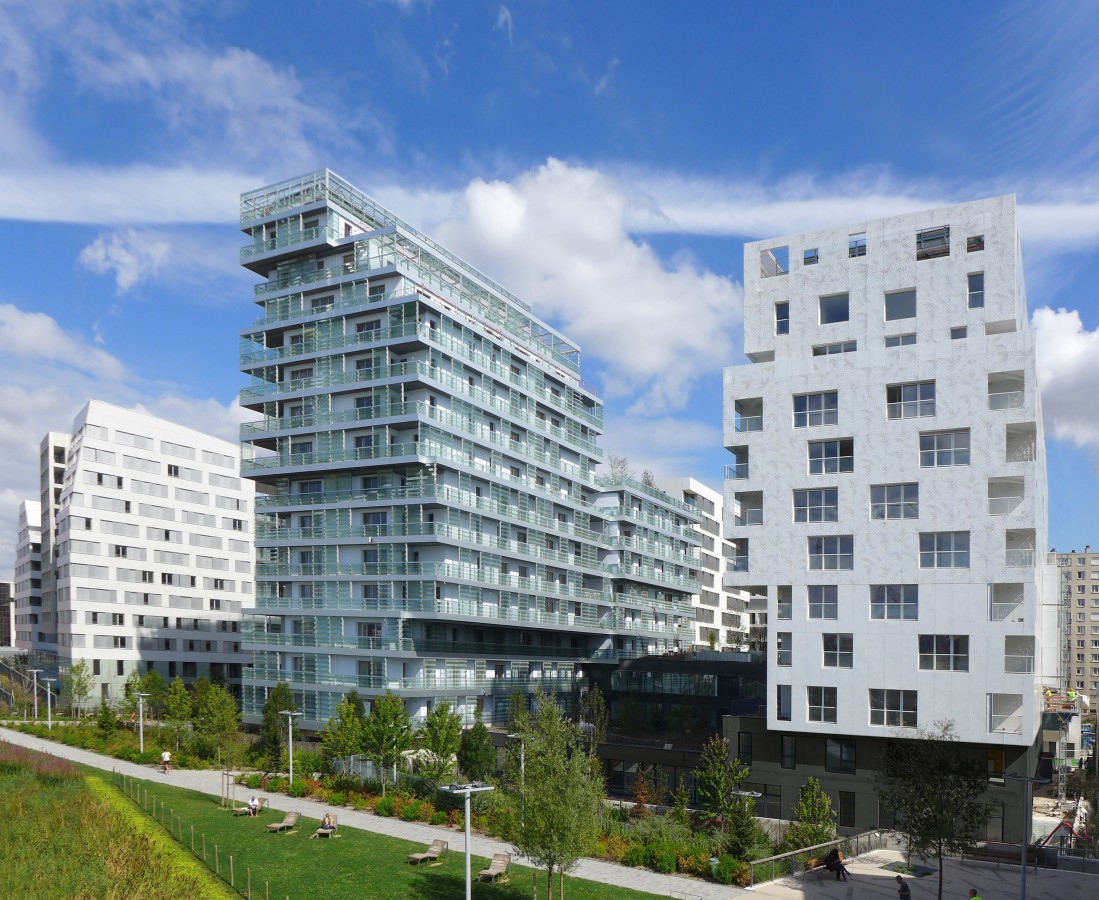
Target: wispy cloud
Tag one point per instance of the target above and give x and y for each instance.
(604, 82)
(129, 254)
(504, 23)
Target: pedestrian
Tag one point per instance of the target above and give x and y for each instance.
(973, 894)
(165, 761)
(833, 862)
(903, 890)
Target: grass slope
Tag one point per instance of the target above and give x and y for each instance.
(357, 864)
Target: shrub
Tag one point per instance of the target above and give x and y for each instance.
(663, 859)
(411, 812)
(253, 781)
(731, 870)
(323, 795)
(438, 817)
(426, 811)
(361, 801)
(298, 788)
(616, 847)
(400, 801)
(635, 856)
(276, 785)
(696, 864)
(384, 807)
(336, 798)
(454, 818)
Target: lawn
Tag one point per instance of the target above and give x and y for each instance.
(357, 864)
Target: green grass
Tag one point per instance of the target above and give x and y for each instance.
(65, 834)
(357, 864)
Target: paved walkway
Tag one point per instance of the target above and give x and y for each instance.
(209, 782)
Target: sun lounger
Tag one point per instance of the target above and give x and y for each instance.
(431, 854)
(498, 867)
(323, 832)
(244, 810)
(287, 824)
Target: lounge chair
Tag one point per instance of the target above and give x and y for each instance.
(432, 853)
(498, 867)
(244, 810)
(287, 824)
(327, 832)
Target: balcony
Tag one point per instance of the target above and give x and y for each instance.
(1019, 558)
(1005, 495)
(748, 415)
(1006, 390)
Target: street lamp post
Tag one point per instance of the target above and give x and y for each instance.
(141, 720)
(35, 673)
(1028, 814)
(49, 703)
(289, 713)
(465, 790)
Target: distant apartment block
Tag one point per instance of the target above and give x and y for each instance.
(7, 615)
(888, 499)
(142, 550)
(720, 614)
(430, 521)
(1080, 627)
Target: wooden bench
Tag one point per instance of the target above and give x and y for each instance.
(1000, 854)
(816, 866)
(287, 824)
(496, 869)
(432, 853)
(245, 810)
(328, 832)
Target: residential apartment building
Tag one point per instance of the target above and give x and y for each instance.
(7, 615)
(1080, 626)
(145, 549)
(28, 575)
(429, 518)
(888, 499)
(720, 614)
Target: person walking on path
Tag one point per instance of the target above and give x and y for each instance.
(165, 761)
(973, 894)
(904, 892)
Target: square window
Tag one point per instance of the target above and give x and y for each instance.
(976, 290)
(893, 709)
(811, 410)
(823, 601)
(834, 308)
(944, 652)
(974, 243)
(821, 702)
(900, 305)
(782, 318)
(944, 448)
(775, 261)
(944, 550)
(832, 552)
(838, 651)
(831, 457)
(810, 257)
(895, 601)
(816, 505)
(856, 245)
(910, 401)
(933, 242)
(895, 501)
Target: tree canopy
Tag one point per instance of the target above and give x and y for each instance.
(814, 822)
(344, 735)
(934, 787)
(178, 710)
(76, 686)
(440, 740)
(718, 780)
(387, 733)
(559, 789)
(477, 755)
(273, 726)
(219, 723)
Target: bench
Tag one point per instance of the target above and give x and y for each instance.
(816, 866)
(245, 811)
(432, 853)
(1004, 854)
(286, 825)
(496, 869)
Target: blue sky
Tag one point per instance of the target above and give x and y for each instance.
(606, 161)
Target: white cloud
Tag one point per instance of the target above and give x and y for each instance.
(504, 23)
(131, 255)
(557, 237)
(1068, 370)
(605, 81)
(35, 338)
(668, 446)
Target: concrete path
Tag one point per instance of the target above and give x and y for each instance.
(209, 782)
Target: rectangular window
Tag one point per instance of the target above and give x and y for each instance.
(944, 652)
(959, 333)
(785, 601)
(944, 448)
(976, 290)
(856, 245)
(900, 340)
(811, 410)
(933, 242)
(846, 817)
(118, 618)
(944, 550)
(810, 257)
(789, 752)
(974, 243)
(775, 261)
(900, 305)
(782, 318)
(839, 755)
(839, 652)
(839, 347)
(834, 308)
(832, 552)
(821, 702)
(784, 653)
(744, 747)
(895, 601)
(910, 401)
(895, 501)
(823, 601)
(816, 505)
(831, 457)
(782, 702)
(893, 709)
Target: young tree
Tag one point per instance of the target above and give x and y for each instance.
(344, 735)
(387, 733)
(76, 687)
(105, 719)
(681, 804)
(153, 684)
(477, 755)
(648, 478)
(128, 706)
(934, 787)
(560, 790)
(814, 822)
(219, 723)
(640, 794)
(441, 737)
(198, 689)
(273, 728)
(618, 466)
(178, 710)
(718, 779)
(593, 718)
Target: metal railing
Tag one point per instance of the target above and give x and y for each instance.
(1005, 400)
(796, 862)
